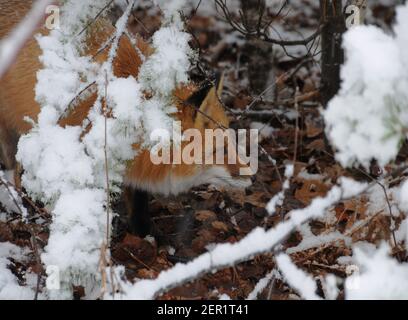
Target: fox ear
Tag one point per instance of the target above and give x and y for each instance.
(220, 84)
(211, 114)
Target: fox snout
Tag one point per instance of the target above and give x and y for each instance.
(233, 174)
(228, 179)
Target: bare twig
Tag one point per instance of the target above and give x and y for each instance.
(11, 46)
(138, 260)
(105, 150)
(296, 126)
(281, 79)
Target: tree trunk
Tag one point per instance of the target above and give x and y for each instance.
(332, 52)
(258, 52)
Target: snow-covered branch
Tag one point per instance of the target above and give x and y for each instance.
(263, 283)
(296, 278)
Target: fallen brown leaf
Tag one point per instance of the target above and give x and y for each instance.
(204, 215)
(221, 226)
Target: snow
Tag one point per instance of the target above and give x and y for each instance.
(379, 277)
(167, 67)
(402, 199)
(170, 8)
(313, 241)
(54, 161)
(10, 289)
(163, 71)
(9, 197)
(277, 199)
(76, 222)
(126, 104)
(262, 284)
(265, 131)
(403, 196)
(303, 174)
(224, 297)
(330, 289)
(296, 278)
(401, 234)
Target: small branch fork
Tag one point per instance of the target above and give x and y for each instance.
(262, 27)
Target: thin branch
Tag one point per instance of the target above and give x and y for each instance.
(105, 150)
(11, 46)
(260, 32)
(96, 17)
(296, 126)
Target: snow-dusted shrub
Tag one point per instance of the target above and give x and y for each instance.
(368, 118)
(57, 166)
(66, 168)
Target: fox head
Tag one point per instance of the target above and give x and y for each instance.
(207, 153)
(223, 165)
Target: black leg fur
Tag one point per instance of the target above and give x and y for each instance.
(137, 203)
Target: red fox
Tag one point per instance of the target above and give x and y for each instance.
(17, 100)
